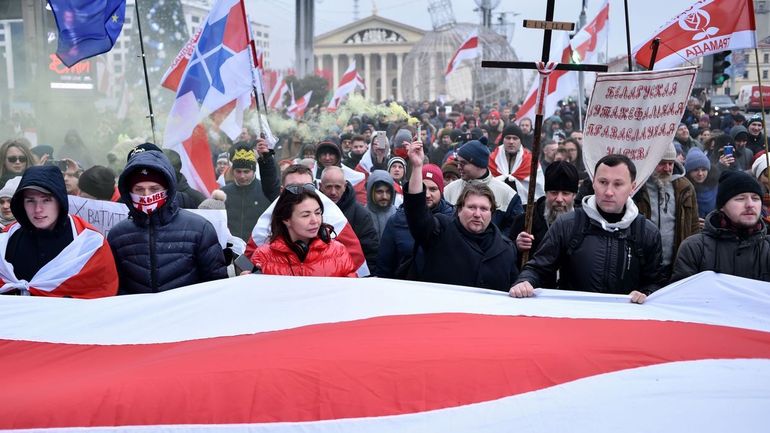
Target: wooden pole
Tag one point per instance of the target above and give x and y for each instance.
(628, 38)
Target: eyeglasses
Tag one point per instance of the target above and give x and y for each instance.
(15, 159)
(297, 189)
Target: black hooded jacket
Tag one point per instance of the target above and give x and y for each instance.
(171, 247)
(29, 249)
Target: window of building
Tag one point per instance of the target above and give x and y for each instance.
(747, 58)
(259, 34)
(765, 57)
(745, 75)
(196, 20)
(764, 74)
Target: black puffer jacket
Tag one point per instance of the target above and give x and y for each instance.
(361, 221)
(724, 251)
(452, 256)
(245, 204)
(613, 260)
(168, 249)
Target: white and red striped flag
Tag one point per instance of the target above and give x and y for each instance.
(297, 108)
(275, 101)
(282, 354)
(350, 81)
(215, 80)
(592, 38)
(468, 50)
(561, 84)
(707, 27)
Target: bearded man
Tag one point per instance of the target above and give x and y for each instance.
(561, 185)
(668, 199)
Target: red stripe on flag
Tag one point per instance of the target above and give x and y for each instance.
(235, 36)
(366, 368)
(197, 148)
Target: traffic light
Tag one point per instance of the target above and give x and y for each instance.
(721, 62)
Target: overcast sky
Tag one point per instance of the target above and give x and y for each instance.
(646, 17)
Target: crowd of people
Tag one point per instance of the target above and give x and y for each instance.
(439, 199)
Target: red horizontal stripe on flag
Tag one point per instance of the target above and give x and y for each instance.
(373, 367)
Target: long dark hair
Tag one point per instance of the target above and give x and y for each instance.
(291, 196)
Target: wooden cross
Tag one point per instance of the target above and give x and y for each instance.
(544, 68)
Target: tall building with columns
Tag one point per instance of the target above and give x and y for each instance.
(378, 45)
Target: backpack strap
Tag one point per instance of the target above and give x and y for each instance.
(578, 231)
(637, 229)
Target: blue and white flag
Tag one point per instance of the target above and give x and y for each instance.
(87, 27)
(217, 76)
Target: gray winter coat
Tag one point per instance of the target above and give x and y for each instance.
(724, 251)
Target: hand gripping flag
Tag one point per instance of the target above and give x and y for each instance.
(707, 27)
(265, 353)
(561, 84)
(469, 49)
(86, 28)
(83, 269)
(217, 76)
(350, 81)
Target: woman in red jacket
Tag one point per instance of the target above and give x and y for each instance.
(300, 243)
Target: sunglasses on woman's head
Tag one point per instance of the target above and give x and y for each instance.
(297, 189)
(15, 159)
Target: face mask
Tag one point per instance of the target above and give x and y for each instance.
(148, 203)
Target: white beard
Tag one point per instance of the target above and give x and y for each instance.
(550, 215)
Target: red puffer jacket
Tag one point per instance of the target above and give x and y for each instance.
(323, 260)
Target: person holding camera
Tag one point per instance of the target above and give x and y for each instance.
(300, 244)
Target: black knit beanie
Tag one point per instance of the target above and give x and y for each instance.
(734, 182)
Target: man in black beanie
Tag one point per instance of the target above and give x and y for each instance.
(734, 239)
(98, 182)
(561, 185)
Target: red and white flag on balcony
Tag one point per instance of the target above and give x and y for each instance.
(297, 108)
(561, 84)
(350, 81)
(215, 80)
(265, 353)
(275, 101)
(468, 50)
(707, 27)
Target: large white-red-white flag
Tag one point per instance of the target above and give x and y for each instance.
(707, 27)
(263, 353)
(468, 50)
(561, 84)
(212, 76)
(350, 81)
(275, 101)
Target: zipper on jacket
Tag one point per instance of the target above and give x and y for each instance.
(153, 279)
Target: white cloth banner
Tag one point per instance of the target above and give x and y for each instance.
(104, 215)
(635, 114)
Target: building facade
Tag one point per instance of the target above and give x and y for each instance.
(378, 46)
